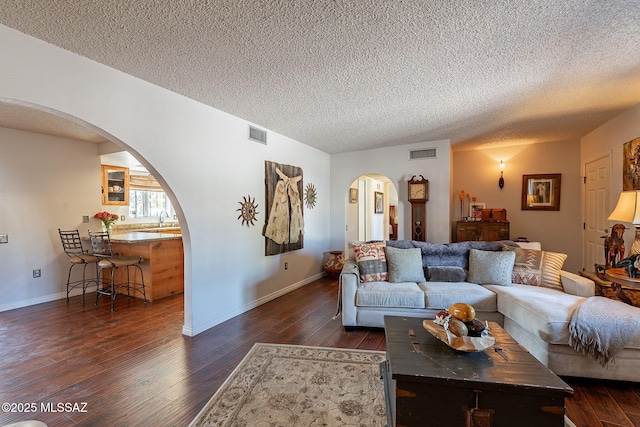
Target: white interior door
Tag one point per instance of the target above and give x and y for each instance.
(597, 190)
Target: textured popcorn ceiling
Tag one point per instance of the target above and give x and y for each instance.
(351, 75)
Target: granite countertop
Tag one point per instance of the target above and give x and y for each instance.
(142, 236)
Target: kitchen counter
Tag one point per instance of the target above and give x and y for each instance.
(142, 236)
(163, 265)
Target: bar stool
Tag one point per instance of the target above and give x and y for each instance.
(101, 247)
(78, 256)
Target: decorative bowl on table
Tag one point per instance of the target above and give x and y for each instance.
(466, 344)
(458, 328)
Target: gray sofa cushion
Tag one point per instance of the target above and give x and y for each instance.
(404, 265)
(490, 267)
(448, 254)
(385, 294)
(445, 274)
(440, 296)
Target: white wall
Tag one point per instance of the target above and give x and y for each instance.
(609, 139)
(477, 172)
(203, 160)
(394, 163)
(40, 195)
(376, 220)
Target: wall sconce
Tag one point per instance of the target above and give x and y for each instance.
(501, 180)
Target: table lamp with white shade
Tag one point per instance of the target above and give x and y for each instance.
(628, 210)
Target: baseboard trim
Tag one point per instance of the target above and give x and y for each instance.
(39, 300)
(190, 332)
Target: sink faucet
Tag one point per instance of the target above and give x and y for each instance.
(162, 215)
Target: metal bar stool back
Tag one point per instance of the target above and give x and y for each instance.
(78, 256)
(101, 247)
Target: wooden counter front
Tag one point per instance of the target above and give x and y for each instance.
(163, 265)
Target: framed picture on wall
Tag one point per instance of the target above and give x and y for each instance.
(541, 192)
(353, 195)
(378, 203)
(631, 165)
(475, 210)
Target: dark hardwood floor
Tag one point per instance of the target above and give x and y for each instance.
(134, 367)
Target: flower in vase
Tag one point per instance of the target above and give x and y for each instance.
(107, 219)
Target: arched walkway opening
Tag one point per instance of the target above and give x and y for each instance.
(371, 209)
(42, 120)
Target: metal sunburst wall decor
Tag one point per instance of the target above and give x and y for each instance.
(310, 196)
(248, 211)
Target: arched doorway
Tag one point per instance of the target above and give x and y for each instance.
(63, 131)
(371, 209)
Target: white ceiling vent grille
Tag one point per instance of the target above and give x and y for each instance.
(428, 153)
(257, 135)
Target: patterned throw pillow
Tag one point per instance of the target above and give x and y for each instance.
(537, 268)
(490, 267)
(371, 260)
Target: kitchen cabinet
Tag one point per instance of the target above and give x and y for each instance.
(163, 266)
(489, 231)
(115, 185)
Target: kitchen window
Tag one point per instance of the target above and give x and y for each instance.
(147, 198)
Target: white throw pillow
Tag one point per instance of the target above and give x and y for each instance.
(551, 266)
(491, 267)
(404, 265)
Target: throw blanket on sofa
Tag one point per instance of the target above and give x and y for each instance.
(601, 327)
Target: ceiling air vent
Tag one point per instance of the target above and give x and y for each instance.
(428, 153)
(257, 135)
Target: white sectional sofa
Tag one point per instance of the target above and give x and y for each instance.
(537, 317)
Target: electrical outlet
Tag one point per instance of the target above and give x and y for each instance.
(286, 265)
(37, 273)
(121, 217)
(85, 219)
(4, 238)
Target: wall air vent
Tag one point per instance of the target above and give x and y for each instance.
(257, 135)
(429, 153)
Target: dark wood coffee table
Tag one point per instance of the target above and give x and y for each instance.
(428, 383)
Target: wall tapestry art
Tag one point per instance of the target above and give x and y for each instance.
(631, 165)
(284, 227)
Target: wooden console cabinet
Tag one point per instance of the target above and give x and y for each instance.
(488, 231)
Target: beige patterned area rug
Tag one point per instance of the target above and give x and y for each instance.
(290, 385)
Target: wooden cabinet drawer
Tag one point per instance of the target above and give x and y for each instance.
(489, 231)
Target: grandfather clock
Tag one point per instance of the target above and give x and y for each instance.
(418, 196)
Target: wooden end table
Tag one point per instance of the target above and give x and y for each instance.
(599, 282)
(428, 383)
(619, 278)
